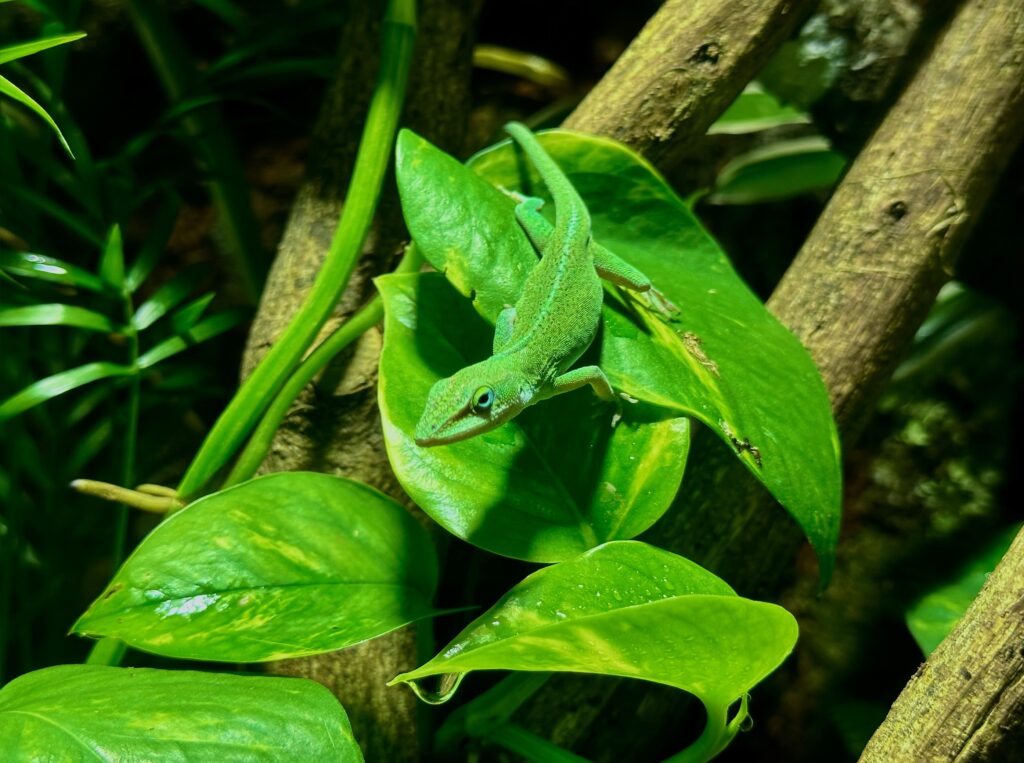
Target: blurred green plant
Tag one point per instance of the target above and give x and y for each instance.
(932, 617)
(10, 53)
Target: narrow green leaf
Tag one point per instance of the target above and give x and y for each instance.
(73, 222)
(778, 171)
(626, 609)
(22, 49)
(53, 386)
(724, 359)
(201, 332)
(156, 241)
(936, 613)
(44, 268)
(166, 298)
(548, 485)
(11, 90)
(93, 712)
(185, 318)
(57, 315)
(282, 566)
(112, 260)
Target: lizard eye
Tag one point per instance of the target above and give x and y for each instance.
(483, 399)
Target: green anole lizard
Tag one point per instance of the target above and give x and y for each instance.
(553, 323)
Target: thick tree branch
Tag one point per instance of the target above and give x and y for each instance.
(967, 702)
(855, 294)
(683, 70)
(895, 227)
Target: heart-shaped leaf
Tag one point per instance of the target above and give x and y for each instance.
(725, 359)
(632, 610)
(550, 484)
(282, 566)
(92, 712)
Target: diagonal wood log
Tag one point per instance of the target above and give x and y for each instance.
(686, 66)
(855, 294)
(966, 703)
(337, 428)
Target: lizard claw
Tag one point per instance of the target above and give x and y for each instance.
(617, 416)
(659, 302)
(517, 197)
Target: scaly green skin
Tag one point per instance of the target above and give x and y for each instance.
(550, 327)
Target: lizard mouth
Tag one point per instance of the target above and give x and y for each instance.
(435, 436)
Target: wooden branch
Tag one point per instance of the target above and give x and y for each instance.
(337, 430)
(893, 230)
(855, 294)
(966, 703)
(683, 70)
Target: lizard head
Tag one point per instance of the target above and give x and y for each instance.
(470, 402)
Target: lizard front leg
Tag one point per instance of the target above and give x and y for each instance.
(594, 376)
(580, 377)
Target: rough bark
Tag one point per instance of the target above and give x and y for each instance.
(335, 428)
(685, 67)
(855, 294)
(893, 230)
(966, 703)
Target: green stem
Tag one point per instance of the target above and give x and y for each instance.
(257, 392)
(482, 715)
(716, 735)
(110, 651)
(530, 746)
(369, 315)
(107, 651)
(130, 435)
(213, 143)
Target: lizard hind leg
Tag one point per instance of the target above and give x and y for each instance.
(616, 270)
(503, 328)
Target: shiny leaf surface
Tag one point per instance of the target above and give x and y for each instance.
(56, 314)
(464, 226)
(285, 565)
(14, 92)
(550, 484)
(46, 389)
(89, 712)
(44, 268)
(22, 49)
(632, 610)
(725, 359)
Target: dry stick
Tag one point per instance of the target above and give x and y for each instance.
(967, 702)
(339, 431)
(855, 294)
